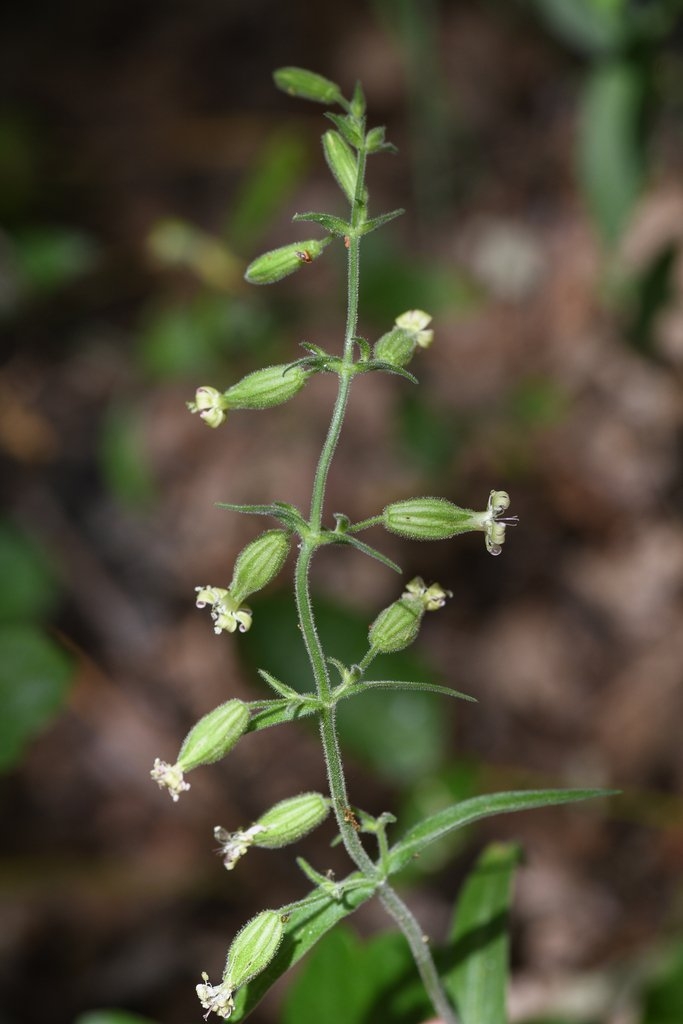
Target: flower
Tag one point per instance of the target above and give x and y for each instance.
(415, 321)
(227, 613)
(216, 999)
(210, 404)
(169, 776)
(491, 523)
(234, 845)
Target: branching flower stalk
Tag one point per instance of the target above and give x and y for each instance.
(256, 957)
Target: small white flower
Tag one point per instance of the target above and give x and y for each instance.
(170, 777)
(415, 321)
(226, 612)
(216, 999)
(210, 404)
(234, 845)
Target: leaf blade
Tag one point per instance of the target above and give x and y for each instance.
(467, 811)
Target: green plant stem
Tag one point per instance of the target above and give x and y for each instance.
(328, 731)
(419, 947)
(365, 524)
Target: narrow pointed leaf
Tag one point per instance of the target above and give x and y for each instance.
(378, 222)
(393, 684)
(277, 685)
(335, 225)
(288, 515)
(379, 364)
(464, 813)
(479, 946)
(345, 538)
(348, 128)
(307, 85)
(265, 713)
(304, 923)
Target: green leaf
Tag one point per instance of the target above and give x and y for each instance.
(611, 145)
(383, 367)
(34, 680)
(378, 222)
(307, 85)
(305, 922)
(345, 538)
(288, 515)
(385, 985)
(277, 685)
(394, 684)
(335, 225)
(477, 981)
(464, 813)
(275, 712)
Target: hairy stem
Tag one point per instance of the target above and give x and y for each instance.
(347, 824)
(422, 956)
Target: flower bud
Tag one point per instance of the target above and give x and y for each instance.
(341, 162)
(258, 563)
(428, 518)
(291, 820)
(210, 404)
(265, 388)
(398, 625)
(408, 334)
(210, 739)
(307, 85)
(251, 951)
(214, 735)
(285, 823)
(272, 266)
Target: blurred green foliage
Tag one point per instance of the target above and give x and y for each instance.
(35, 671)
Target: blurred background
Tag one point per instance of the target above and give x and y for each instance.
(145, 159)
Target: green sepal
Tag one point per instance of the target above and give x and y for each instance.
(466, 811)
(345, 538)
(287, 514)
(307, 85)
(477, 983)
(277, 685)
(376, 143)
(394, 684)
(379, 364)
(304, 923)
(348, 127)
(378, 222)
(253, 948)
(342, 164)
(335, 225)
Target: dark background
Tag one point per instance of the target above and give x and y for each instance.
(555, 373)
